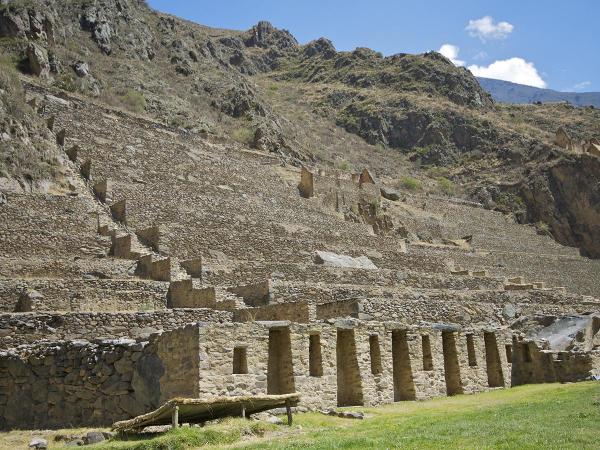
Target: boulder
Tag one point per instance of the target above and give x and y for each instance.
(390, 194)
(82, 69)
(38, 443)
(264, 35)
(322, 47)
(334, 260)
(28, 301)
(509, 312)
(94, 437)
(38, 60)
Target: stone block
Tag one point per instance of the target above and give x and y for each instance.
(306, 186)
(86, 169)
(334, 260)
(460, 272)
(518, 287)
(193, 267)
(72, 153)
(150, 237)
(255, 294)
(121, 246)
(100, 190)
(390, 194)
(118, 211)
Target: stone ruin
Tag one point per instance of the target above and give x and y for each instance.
(106, 315)
(564, 140)
(306, 185)
(343, 362)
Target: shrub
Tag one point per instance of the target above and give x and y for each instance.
(134, 101)
(543, 228)
(243, 135)
(445, 185)
(67, 83)
(13, 96)
(410, 183)
(344, 165)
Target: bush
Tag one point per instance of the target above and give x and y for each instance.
(134, 101)
(243, 135)
(344, 165)
(410, 183)
(445, 185)
(67, 82)
(13, 96)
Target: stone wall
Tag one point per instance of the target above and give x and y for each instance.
(18, 329)
(334, 363)
(298, 312)
(72, 295)
(342, 308)
(534, 364)
(77, 383)
(82, 383)
(218, 344)
(255, 294)
(472, 306)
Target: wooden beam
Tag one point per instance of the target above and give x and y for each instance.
(288, 410)
(175, 417)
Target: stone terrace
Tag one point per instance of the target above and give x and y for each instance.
(242, 213)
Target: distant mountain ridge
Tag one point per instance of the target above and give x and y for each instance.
(507, 92)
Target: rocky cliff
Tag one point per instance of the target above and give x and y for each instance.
(565, 195)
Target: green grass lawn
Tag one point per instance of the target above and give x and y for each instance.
(536, 416)
(544, 416)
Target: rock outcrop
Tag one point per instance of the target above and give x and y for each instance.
(565, 195)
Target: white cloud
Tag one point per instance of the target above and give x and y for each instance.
(480, 55)
(485, 28)
(451, 52)
(516, 70)
(581, 86)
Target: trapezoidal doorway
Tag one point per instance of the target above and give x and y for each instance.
(349, 386)
(492, 360)
(280, 370)
(404, 386)
(451, 366)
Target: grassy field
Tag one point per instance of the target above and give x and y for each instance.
(551, 416)
(535, 417)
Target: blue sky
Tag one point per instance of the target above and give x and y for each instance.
(545, 43)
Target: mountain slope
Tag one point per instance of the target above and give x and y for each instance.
(507, 92)
(408, 117)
